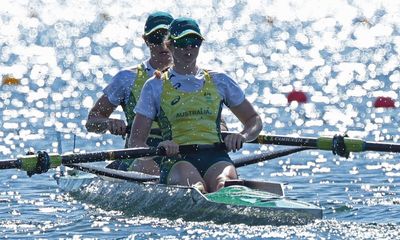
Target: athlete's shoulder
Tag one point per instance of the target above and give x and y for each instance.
(215, 71)
(218, 75)
(124, 79)
(126, 73)
(132, 69)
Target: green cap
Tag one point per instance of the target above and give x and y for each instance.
(184, 26)
(157, 20)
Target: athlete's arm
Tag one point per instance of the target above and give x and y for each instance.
(235, 99)
(140, 131)
(99, 120)
(252, 126)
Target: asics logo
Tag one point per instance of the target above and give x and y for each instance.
(175, 100)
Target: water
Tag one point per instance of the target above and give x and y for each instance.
(342, 53)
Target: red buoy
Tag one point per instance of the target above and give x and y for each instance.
(298, 96)
(384, 102)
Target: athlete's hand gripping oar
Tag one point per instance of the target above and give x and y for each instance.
(43, 161)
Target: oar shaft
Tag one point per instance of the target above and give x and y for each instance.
(124, 175)
(322, 143)
(130, 153)
(325, 143)
(256, 158)
(10, 163)
(382, 147)
(282, 140)
(29, 162)
(108, 155)
(287, 141)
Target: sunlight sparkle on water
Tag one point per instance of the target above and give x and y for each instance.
(343, 56)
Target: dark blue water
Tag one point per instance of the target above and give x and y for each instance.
(343, 54)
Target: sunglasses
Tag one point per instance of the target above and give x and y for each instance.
(157, 38)
(187, 41)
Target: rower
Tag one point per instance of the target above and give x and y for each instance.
(124, 90)
(187, 101)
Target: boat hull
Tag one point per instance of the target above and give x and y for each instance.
(235, 204)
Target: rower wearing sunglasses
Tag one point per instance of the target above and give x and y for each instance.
(187, 101)
(124, 90)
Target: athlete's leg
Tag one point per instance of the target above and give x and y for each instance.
(185, 174)
(218, 173)
(149, 165)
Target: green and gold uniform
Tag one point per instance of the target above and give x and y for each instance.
(153, 140)
(191, 118)
(128, 108)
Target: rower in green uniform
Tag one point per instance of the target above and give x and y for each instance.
(187, 101)
(124, 90)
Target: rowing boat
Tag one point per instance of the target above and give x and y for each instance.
(240, 201)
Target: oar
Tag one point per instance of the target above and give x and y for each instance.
(29, 163)
(325, 143)
(262, 157)
(141, 177)
(108, 172)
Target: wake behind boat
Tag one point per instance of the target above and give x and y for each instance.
(240, 201)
